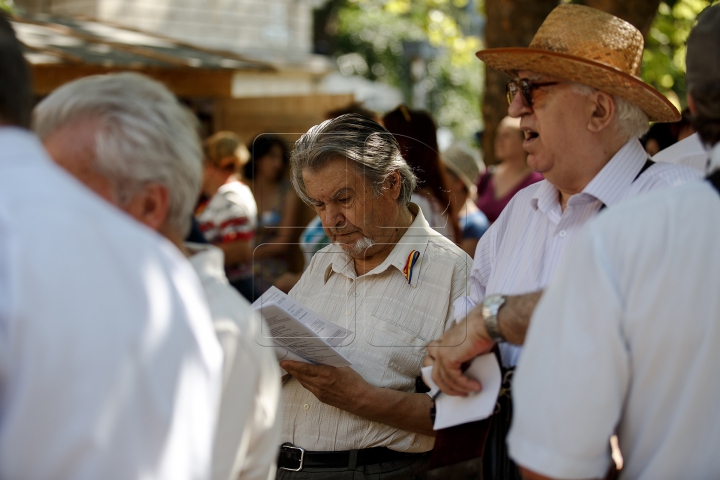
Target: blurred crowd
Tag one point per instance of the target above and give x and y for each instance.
(131, 252)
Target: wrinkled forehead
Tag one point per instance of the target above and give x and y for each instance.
(331, 177)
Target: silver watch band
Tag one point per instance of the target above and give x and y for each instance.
(490, 307)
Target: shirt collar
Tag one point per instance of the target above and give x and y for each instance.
(415, 238)
(208, 262)
(608, 186)
(611, 183)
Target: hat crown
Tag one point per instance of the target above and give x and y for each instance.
(592, 35)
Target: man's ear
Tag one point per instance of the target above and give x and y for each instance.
(395, 184)
(150, 205)
(603, 110)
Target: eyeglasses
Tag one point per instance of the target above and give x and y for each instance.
(524, 86)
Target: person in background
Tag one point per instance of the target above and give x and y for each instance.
(281, 216)
(226, 213)
(625, 338)
(499, 184)
(109, 367)
(462, 168)
(416, 133)
(659, 137)
(662, 136)
(157, 187)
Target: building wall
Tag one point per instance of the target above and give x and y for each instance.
(274, 30)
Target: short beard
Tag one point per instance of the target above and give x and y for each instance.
(359, 246)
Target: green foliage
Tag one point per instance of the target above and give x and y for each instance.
(664, 56)
(373, 39)
(6, 5)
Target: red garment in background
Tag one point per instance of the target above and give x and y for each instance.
(491, 206)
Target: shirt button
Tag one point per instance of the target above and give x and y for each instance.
(306, 407)
(562, 233)
(357, 294)
(348, 313)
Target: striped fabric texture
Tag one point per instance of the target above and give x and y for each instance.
(520, 251)
(392, 321)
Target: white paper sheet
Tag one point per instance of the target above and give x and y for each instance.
(298, 333)
(452, 410)
(331, 333)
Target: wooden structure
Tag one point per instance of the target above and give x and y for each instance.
(62, 49)
(288, 117)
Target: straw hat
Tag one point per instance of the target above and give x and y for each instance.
(463, 163)
(591, 47)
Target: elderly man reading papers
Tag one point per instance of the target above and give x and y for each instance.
(389, 278)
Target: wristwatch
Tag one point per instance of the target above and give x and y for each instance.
(490, 307)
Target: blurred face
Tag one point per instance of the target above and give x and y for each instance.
(270, 165)
(554, 127)
(458, 191)
(351, 216)
(509, 143)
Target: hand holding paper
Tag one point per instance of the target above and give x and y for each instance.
(453, 410)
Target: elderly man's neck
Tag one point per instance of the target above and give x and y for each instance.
(588, 164)
(383, 246)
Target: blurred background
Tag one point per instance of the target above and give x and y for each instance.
(252, 66)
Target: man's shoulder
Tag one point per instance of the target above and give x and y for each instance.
(440, 246)
(662, 174)
(235, 193)
(658, 212)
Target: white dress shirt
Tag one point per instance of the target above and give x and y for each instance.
(392, 321)
(519, 252)
(109, 366)
(248, 433)
(688, 151)
(626, 339)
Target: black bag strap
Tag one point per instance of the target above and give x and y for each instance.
(714, 180)
(648, 163)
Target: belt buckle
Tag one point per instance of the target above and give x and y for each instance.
(290, 446)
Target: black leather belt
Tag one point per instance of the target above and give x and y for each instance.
(295, 458)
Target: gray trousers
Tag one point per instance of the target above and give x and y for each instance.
(414, 468)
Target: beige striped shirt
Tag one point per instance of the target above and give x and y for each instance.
(392, 322)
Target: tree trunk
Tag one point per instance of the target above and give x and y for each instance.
(640, 13)
(510, 23)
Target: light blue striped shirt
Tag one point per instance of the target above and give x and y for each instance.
(520, 251)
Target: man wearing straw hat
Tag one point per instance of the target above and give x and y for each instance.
(639, 291)
(582, 106)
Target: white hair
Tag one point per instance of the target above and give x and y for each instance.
(143, 134)
(629, 121)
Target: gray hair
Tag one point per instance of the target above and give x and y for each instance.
(373, 151)
(629, 121)
(143, 134)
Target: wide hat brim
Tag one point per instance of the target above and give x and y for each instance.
(603, 77)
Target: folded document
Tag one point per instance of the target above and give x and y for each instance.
(298, 333)
(452, 410)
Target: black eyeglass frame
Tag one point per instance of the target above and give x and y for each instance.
(525, 86)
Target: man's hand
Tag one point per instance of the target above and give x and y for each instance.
(343, 387)
(462, 343)
(469, 338)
